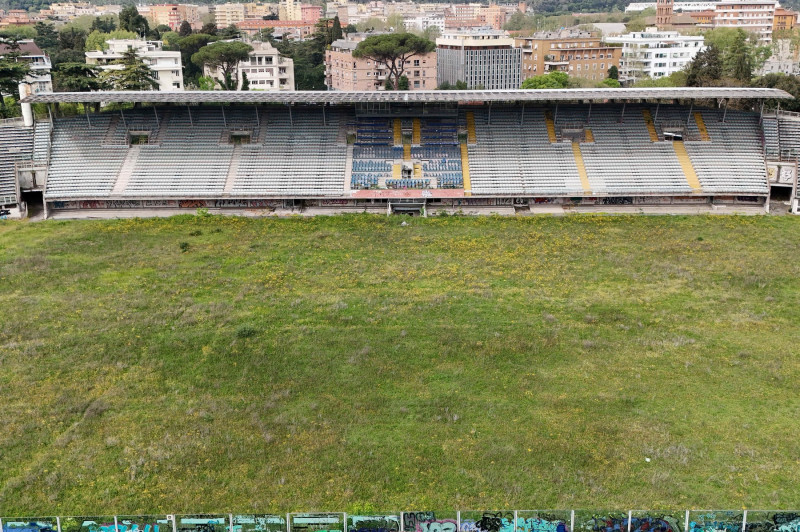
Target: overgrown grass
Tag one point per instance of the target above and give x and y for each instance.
(206, 364)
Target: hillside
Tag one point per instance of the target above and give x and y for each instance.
(228, 364)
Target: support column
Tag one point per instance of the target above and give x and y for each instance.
(622, 115)
(555, 119)
(589, 116)
(27, 110)
(122, 114)
(522, 114)
(761, 113)
(689, 118)
(85, 110)
(725, 112)
(258, 120)
(224, 119)
(191, 122)
(291, 120)
(155, 112)
(655, 118)
(324, 118)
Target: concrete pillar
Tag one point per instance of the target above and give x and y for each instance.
(27, 110)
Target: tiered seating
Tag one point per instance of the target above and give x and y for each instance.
(374, 132)
(303, 158)
(135, 120)
(41, 140)
(367, 172)
(442, 162)
(16, 144)
(510, 158)
(733, 161)
(772, 143)
(80, 165)
(439, 131)
(790, 136)
(189, 160)
(624, 161)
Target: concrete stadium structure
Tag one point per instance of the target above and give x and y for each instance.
(581, 150)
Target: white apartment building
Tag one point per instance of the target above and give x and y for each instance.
(677, 6)
(166, 66)
(423, 21)
(481, 57)
(266, 69)
(655, 54)
(753, 16)
(38, 78)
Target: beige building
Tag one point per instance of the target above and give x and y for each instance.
(578, 53)
(166, 66)
(173, 15)
(266, 69)
(344, 73)
(228, 14)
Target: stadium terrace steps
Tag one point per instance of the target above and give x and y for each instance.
(686, 164)
(465, 169)
(41, 141)
(126, 170)
(551, 127)
(472, 137)
(576, 152)
(651, 127)
(233, 169)
(398, 132)
(701, 127)
(16, 144)
(416, 137)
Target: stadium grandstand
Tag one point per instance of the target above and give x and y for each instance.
(574, 150)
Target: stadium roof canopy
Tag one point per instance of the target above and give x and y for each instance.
(429, 96)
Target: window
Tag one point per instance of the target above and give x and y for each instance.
(416, 62)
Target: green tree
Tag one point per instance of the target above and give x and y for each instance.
(739, 63)
(231, 32)
(77, 77)
(613, 72)
(336, 30)
(790, 84)
(170, 40)
(610, 83)
(265, 35)
(371, 24)
(189, 46)
(205, 83)
(705, 69)
(156, 33)
(553, 80)
(245, 82)
(395, 22)
(131, 20)
(46, 36)
(135, 75)
(185, 30)
(223, 57)
(350, 28)
(392, 50)
(403, 84)
(209, 28)
(71, 39)
(103, 24)
(12, 73)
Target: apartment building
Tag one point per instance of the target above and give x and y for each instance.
(655, 54)
(173, 15)
(287, 29)
(166, 66)
(38, 78)
(344, 73)
(484, 57)
(753, 16)
(785, 19)
(579, 53)
(266, 69)
(228, 14)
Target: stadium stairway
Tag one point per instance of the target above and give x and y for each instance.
(397, 171)
(651, 127)
(551, 127)
(589, 135)
(701, 127)
(465, 168)
(472, 138)
(233, 169)
(126, 170)
(398, 132)
(686, 165)
(416, 137)
(576, 152)
(406, 152)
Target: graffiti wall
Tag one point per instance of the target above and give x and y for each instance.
(536, 521)
(317, 522)
(201, 523)
(773, 522)
(173, 204)
(488, 521)
(87, 524)
(30, 524)
(430, 522)
(374, 523)
(715, 521)
(649, 521)
(258, 523)
(588, 521)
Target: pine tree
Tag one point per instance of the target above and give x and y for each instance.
(336, 31)
(135, 75)
(245, 82)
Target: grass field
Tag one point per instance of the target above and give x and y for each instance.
(229, 364)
